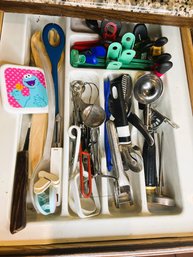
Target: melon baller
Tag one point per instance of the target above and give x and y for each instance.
(149, 88)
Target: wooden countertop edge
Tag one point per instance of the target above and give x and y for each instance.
(91, 13)
(188, 58)
(139, 247)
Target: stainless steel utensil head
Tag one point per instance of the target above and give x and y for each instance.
(160, 199)
(163, 200)
(148, 88)
(93, 116)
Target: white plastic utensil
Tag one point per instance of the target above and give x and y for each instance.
(44, 163)
(83, 207)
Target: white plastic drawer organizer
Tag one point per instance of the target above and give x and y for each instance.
(122, 164)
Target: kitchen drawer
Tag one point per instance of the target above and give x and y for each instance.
(128, 223)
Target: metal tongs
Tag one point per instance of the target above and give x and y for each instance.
(119, 105)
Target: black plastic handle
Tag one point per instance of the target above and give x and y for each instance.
(161, 41)
(165, 57)
(118, 103)
(117, 107)
(136, 122)
(18, 208)
(93, 25)
(164, 67)
(140, 32)
(149, 159)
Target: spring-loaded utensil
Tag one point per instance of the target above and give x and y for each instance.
(83, 207)
(158, 197)
(158, 118)
(120, 103)
(92, 115)
(148, 88)
(138, 123)
(123, 191)
(54, 53)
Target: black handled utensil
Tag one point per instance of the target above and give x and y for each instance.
(136, 122)
(18, 208)
(119, 106)
(149, 159)
(140, 32)
(148, 88)
(93, 25)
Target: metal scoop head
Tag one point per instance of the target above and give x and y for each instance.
(148, 88)
(93, 115)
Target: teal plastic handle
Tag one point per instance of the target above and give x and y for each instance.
(128, 40)
(114, 51)
(114, 65)
(76, 58)
(127, 56)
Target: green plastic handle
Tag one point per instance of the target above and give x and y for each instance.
(76, 58)
(128, 40)
(114, 51)
(114, 65)
(127, 56)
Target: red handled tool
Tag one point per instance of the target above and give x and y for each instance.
(85, 157)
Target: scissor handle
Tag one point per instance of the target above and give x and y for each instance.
(54, 53)
(82, 188)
